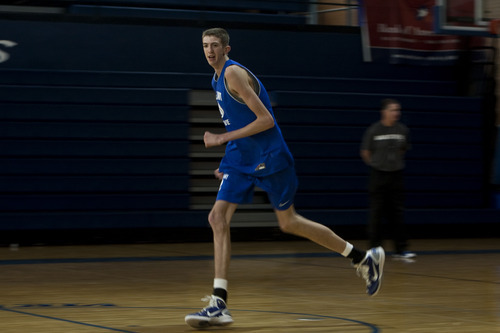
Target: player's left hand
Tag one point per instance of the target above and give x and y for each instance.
(218, 174)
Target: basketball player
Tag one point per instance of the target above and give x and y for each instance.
(257, 155)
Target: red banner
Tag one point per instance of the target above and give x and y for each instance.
(401, 31)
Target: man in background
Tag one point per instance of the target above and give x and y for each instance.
(383, 149)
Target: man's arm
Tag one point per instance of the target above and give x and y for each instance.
(365, 152)
(238, 83)
(366, 155)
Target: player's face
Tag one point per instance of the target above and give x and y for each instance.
(392, 113)
(214, 51)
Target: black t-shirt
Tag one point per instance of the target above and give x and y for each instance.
(387, 145)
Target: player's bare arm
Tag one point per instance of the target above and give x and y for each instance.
(238, 83)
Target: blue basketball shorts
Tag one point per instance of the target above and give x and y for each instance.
(280, 187)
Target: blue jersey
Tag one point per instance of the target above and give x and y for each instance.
(261, 154)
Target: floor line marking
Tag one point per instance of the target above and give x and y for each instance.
(64, 320)
(372, 327)
(205, 257)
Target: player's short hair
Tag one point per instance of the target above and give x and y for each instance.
(219, 33)
(388, 101)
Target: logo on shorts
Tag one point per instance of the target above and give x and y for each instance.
(283, 203)
(261, 166)
(4, 56)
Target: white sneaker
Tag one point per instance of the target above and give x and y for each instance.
(371, 269)
(215, 314)
(405, 255)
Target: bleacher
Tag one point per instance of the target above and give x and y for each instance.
(105, 141)
(271, 12)
(444, 165)
(70, 150)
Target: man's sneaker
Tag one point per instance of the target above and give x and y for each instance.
(405, 255)
(371, 269)
(215, 314)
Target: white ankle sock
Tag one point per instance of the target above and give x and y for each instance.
(348, 249)
(220, 283)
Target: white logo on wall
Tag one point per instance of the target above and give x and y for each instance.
(4, 56)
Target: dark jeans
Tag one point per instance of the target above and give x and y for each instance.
(386, 191)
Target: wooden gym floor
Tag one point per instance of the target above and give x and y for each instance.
(287, 286)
